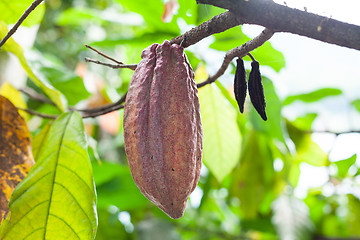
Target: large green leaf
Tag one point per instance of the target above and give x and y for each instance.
(313, 96)
(39, 139)
(291, 218)
(222, 140)
(11, 11)
(57, 198)
(13, 47)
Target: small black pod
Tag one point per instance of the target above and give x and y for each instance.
(256, 90)
(240, 84)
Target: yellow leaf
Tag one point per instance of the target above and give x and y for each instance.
(11, 93)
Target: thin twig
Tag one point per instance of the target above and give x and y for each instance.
(252, 57)
(34, 95)
(103, 108)
(335, 133)
(102, 112)
(115, 66)
(240, 52)
(32, 112)
(18, 23)
(104, 55)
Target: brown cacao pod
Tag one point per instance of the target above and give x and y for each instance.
(162, 128)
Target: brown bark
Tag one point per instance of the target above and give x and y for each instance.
(280, 18)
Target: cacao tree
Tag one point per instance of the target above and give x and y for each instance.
(109, 109)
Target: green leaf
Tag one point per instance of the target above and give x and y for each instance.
(71, 85)
(109, 225)
(259, 224)
(115, 186)
(305, 122)
(4, 223)
(273, 127)
(316, 203)
(269, 56)
(356, 104)
(205, 12)
(222, 140)
(39, 140)
(57, 199)
(77, 17)
(188, 10)
(229, 39)
(11, 11)
(306, 149)
(291, 218)
(265, 54)
(227, 95)
(13, 47)
(294, 174)
(353, 218)
(151, 11)
(254, 177)
(344, 165)
(313, 96)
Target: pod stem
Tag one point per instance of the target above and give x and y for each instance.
(252, 57)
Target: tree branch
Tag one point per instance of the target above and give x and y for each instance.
(115, 66)
(217, 24)
(34, 95)
(19, 22)
(240, 52)
(42, 115)
(335, 133)
(284, 19)
(103, 54)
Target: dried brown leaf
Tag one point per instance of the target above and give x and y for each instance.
(15, 151)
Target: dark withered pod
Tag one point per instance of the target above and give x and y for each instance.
(256, 90)
(240, 85)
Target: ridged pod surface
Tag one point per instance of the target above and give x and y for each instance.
(240, 85)
(256, 90)
(162, 128)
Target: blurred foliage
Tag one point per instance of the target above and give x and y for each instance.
(251, 168)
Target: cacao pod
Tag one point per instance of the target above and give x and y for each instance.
(256, 90)
(240, 84)
(162, 128)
